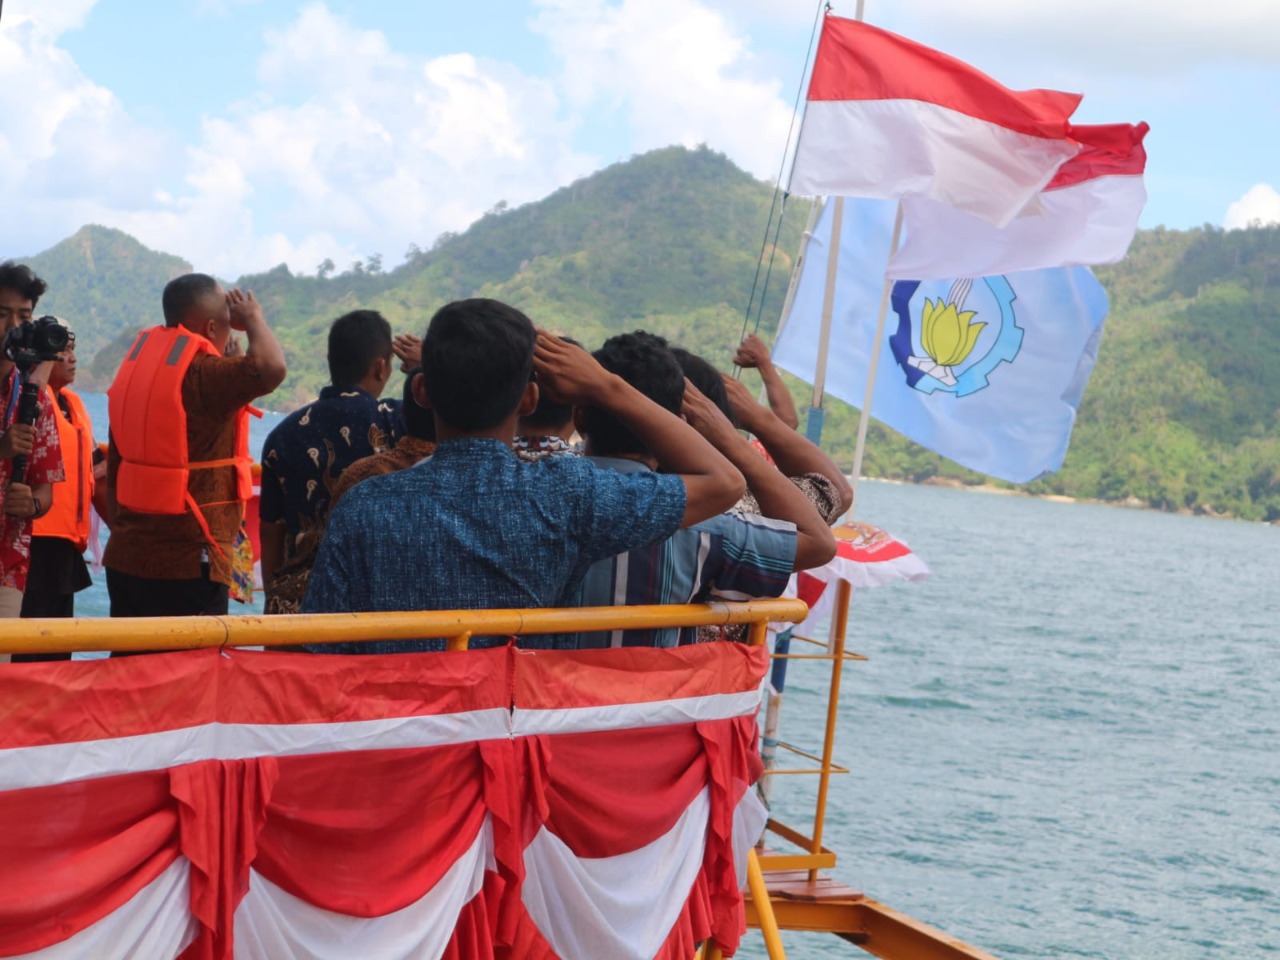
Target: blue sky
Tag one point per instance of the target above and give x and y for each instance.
(240, 134)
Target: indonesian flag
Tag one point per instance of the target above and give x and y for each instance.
(890, 118)
(1087, 214)
(211, 804)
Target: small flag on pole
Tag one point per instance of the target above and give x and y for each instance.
(886, 117)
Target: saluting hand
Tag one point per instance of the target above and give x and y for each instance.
(705, 417)
(244, 308)
(409, 349)
(568, 374)
(741, 402)
(752, 353)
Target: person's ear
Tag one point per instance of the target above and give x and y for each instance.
(419, 390)
(528, 400)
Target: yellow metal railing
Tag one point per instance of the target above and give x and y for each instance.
(455, 626)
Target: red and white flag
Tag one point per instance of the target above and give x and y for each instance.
(890, 118)
(211, 805)
(1087, 214)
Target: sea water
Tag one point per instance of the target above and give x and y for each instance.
(1066, 743)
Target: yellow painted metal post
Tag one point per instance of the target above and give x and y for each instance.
(764, 909)
(460, 642)
(713, 951)
(757, 633)
(839, 623)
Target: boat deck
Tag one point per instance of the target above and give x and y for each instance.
(824, 905)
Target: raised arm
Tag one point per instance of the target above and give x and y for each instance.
(777, 496)
(753, 352)
(793, 453)
(571, 375)
(263, 348)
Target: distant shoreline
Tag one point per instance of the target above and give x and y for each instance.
(1129, 503)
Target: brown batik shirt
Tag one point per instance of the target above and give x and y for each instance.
(163, 547)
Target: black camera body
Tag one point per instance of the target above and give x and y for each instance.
(28, 344)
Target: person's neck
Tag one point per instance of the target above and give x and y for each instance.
(503, 432)
(371, 385)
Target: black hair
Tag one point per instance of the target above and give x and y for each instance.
(549, 415)
(182, 294)
(20, 277)
(356, 340)
(418, 421)
(645, 361)
(705, 377)
(477, 358)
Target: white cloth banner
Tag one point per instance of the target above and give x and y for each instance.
(272, 924)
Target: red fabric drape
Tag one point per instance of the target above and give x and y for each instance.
(361, 832)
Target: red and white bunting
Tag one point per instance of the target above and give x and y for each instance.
(213, 804)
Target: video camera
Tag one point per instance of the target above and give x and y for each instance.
(32, 343)
(27, 345)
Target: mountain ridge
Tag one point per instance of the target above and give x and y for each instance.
(1183, 412)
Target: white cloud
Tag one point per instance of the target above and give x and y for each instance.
(678, 71)
(350, 138)
(1260, 206)
(69, 152)
(1135, 36)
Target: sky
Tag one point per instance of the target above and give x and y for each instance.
(241, 134)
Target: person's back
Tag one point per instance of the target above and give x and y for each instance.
(417, 443)
(473, 526)
(178, 562)
(307, 452)
(727, 557)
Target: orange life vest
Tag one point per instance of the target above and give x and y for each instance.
(68, 517)
(149, 427)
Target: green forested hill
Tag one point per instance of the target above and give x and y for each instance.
(1183, 411)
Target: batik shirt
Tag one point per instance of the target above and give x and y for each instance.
(730, 557)
(533, 448)
(473, 527)
(307, 452)
(44, 465)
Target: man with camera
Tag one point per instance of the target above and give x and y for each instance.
(178, 464)
(30, 456)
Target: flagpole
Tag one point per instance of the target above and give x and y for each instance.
(877, 344)
(813, 426)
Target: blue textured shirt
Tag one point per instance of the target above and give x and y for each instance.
(729, 557)
(473, 527)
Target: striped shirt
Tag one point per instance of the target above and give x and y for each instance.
(728, 557)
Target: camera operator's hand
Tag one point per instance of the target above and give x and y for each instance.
(245, 309)
(17, 441)
(18, 501)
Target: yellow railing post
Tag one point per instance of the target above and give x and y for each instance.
(839, 624)
(764, 908)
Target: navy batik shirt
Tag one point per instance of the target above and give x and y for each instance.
(474, 528)
(308, 450)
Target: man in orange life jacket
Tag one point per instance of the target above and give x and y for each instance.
(178, 465)
(59, 538)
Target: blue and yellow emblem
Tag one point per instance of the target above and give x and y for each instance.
(941, 345)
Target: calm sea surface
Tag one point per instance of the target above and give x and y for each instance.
(1066, 743)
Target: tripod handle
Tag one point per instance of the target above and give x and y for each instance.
(28, 412)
